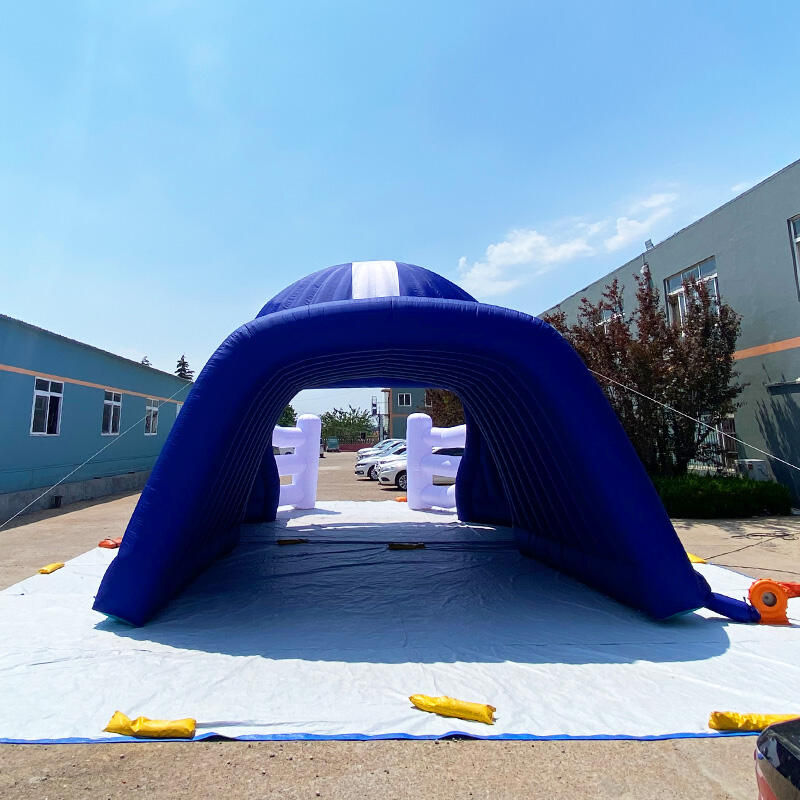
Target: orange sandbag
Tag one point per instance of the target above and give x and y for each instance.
(111, 544)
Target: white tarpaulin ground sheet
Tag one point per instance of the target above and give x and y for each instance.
(328, 639)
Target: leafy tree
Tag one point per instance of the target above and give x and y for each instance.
(146, 362)
(182, 370)
(288, 418)
(446, 409)
(689, 367)
(347, 423)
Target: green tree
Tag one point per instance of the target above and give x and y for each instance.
(347, 423)
(182, 370)
(688, 367)
(445, 408)
(288, 417)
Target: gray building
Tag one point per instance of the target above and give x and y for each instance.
(748, 251)
(401, 402)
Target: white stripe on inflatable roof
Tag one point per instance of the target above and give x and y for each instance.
(375, 279)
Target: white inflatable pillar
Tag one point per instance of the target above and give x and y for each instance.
(422, 464)
(302, 465)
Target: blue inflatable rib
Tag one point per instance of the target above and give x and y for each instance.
(545, 452)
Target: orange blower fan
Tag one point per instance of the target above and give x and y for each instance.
(771, 599)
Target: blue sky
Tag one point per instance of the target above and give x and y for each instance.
(166, 167)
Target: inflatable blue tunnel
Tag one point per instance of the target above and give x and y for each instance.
(545, 452)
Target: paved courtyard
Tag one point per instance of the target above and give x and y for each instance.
(708, 768)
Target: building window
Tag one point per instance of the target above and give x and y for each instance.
(794, 228)
(151, 417)
(606, 315)
(428, 401)
(112, 410)
(46, 412)
(404, 399)
(704, 272)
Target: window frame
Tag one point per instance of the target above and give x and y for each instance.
(113, 403)
(151, 404)
(48, 393)
(676, 298)
(605, 322)
(400, 396)
(793, 223)
(428, 401)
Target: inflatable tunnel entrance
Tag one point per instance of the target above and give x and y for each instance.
(545, 452)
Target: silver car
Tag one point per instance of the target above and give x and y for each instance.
(378, 448)
(366, 466)
(393, 471)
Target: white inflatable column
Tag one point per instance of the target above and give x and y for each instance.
(418, 434)
(302, 465)
(423, 465)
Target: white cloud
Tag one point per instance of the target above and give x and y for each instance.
(526, 246)
(657, 200)
(743, 186)
(629, 229)
(485, 279)
(526, 252)
(591, 228)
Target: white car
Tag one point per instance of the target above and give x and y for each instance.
(378, 448)
(393, 471)
(366, 466)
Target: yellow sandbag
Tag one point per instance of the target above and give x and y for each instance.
(450, 707)
(48, 568)
(733, 721)
(695, 559)
(151, 728)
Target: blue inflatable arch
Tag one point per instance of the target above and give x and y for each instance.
(545, 452)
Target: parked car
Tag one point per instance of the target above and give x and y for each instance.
(394, 470)
(366, 465)
(393, 473)
(380, 447)
(778, 761)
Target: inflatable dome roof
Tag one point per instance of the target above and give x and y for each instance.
(359, 280)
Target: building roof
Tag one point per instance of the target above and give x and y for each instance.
(24, 324)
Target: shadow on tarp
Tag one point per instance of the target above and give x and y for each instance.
(468, 596)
